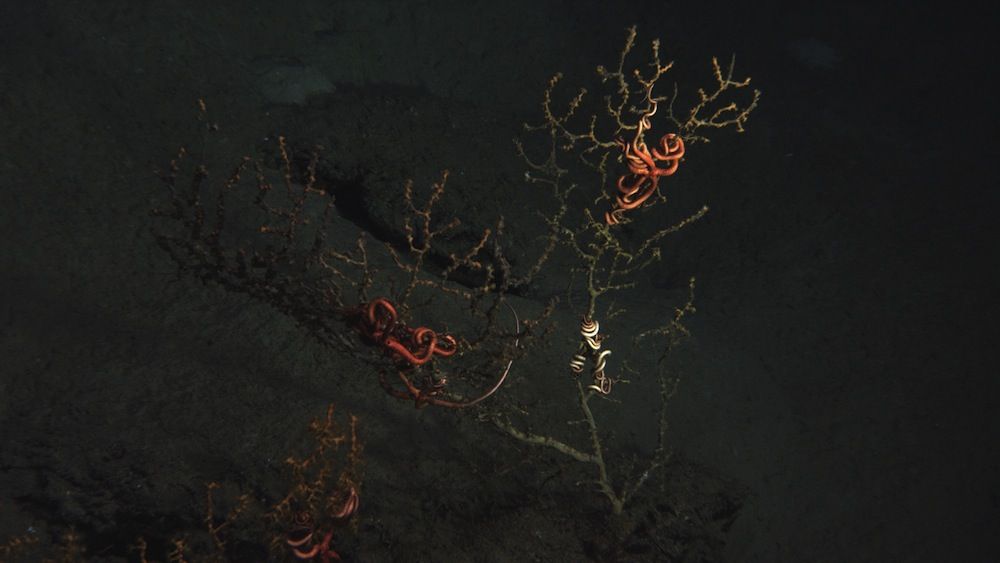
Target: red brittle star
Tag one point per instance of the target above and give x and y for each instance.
(300, 538)
(383, 328)
(643, 177)
(412, 348)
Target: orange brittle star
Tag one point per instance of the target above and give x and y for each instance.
(643, 177)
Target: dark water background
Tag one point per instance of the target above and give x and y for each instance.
(842, 373)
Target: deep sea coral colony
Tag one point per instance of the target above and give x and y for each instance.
(377, 302)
